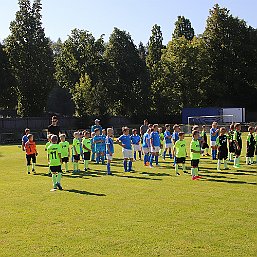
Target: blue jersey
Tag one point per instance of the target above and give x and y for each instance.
(104, 140)
(25, 139)
(175, 136)
(92, 145)
(96, 127)
(156, 141)
(135, 139)
(167, 134)
(146, 138)
(212, 130)
(109, 142)
(125, 140)
(99, 145)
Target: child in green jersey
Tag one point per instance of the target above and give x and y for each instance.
(222, 146)
(65, 151)
(232, 146)
(195, 154)
(250, 146)
(205, 145)
(256, 145)
(54, 158)
(238, 142)
(180, 152)
(47, 145)
(86, 147)
(76, 152)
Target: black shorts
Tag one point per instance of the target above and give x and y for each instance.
(86, 156)
(180, 160)
(256, 150)
(65, 159)
(195, 163)
(205, 145)
(250, 151)
(223, 154)
(30, 157)
(76, 157)
(238, 152)
(55, 169)
(232, 147)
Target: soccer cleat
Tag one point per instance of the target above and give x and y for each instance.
(177, 174)
(158, 165)
(151, 166)
(28, 172)
(185, 171)
(59, 186)
(194, 178)
(109, 174)
(218, 169)
(198, 177)
(53, 190)
(85, 169)
(226, 168)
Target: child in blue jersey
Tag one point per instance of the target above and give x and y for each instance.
(99, 146)
(92, 147)
(214, 133)
(109, 149)
(168, 142)
(135, 139)
(104, 138)
(125, 142)
(155, 143)
(146, 147)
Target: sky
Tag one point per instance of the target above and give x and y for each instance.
(135, 16)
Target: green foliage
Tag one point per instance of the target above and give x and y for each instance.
(31, 59)
(184, 28)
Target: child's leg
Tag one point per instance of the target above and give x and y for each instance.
(157, 158)
(130, 164)
(28, 158)
(176, 169)
(183, 167)
(59, 177)
(93, 156)
(151, 159)
(109, 167)
(54, 179)
(33, 162)
(125, 164)
(225, 164)
(140, 154)
(66, 167)
(164, 153)
(170, 153)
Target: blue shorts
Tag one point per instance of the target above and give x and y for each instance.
(100, 149)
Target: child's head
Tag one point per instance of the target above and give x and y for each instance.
(92, 134)
(76, 134)
(27, 131)
(232, 127)
(49, 137)
(195, 127)
(195, 134)
(176, 128)
(214, 124)
(125, 130)
(256, 129)
(237, 126)
(160, 129)
(251, 129)
(181, 135)
(86, 134)
(30, 137)
(97, 132)
(104, 132)
(150, 125)
(167, 126)
(54, 139)
(62, 137)
(155, 127)
(149, 130)
(223, 131)
(203, 127)
(134, 131)
(110, 132)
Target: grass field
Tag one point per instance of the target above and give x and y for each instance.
(150, 212)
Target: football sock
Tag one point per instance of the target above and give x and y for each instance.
(247, 160)
(59, 176)
(93, 156)
(108, 168)
(164, 154)
(251, 159)
(225, 164)
(125, 164)
(66, 166)
(28, 168)
(54, 179)
(74, 165)
(135, 155)
(193, 172)
(183, 166)
(130, 165)
(140, 154)
(151, 159)
(145, 158)
(33, 166)
(176, 168)
(157, 159)
(218, 164)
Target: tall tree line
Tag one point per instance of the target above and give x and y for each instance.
(86, 76)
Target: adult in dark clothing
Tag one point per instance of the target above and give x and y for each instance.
(144, 128)
(53, 128)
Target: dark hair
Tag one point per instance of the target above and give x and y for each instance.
(54, 138)
(195, 132)
(167, 125)
(54, 117)
(97, 129)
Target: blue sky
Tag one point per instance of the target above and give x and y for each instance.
(135, 16)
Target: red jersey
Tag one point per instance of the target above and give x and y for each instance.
(30, 147)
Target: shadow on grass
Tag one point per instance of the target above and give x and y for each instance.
(133, 177)
(42, 165)
(82, 192)
(229, 181)
(157, 174)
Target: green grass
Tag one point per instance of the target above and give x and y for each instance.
(137, 214)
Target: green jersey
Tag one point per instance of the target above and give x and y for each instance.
(250, 140)
(53, 151)
(87, 143)
(237, 137)
(180, 147)
(195, 145)
(64, 148)
(47, 145)
(76, 146)
(161, 137)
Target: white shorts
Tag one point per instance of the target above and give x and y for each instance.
(155, 150)
(109, 157)
(136, 148)
(146, 150)
(168, 145)
(213, 143)
(127, 154)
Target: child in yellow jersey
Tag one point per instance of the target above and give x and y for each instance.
(86, 147)
(180, 153)
(76, 152)
(65, 151)
(54, 158)
(195, 154)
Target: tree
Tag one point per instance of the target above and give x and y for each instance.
(31, 59)
(229, 50)
(184, 28)
(142, 51)
(7, 82)
(130, 90)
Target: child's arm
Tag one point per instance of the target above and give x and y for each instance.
(109, 150)
(69, 152)
(120, 143)
(60, 157)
